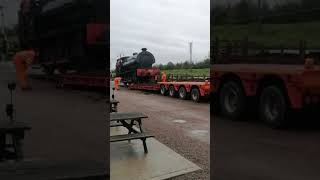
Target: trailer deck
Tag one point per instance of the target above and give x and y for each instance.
(182, 89)
(88, 80)
(278, 83)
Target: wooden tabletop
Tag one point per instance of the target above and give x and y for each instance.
(113, 101)
(126, 116)
(6, 125)
(51, 170)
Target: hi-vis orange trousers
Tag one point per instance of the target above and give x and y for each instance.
(21, 71)
(22, 60)
(116, 83)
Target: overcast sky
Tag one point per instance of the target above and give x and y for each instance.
(10, 11)
(164, 27)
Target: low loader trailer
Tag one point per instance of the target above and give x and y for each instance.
(182, 89)
(278, 83)
(137, 72)
(83, 80)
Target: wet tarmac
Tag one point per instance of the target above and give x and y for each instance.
(252, 150)
(182, 125)
(159, 163)
(66, 125)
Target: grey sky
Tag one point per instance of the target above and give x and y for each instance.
(11, 11)
(163, 26)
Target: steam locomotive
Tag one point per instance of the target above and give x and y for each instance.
(137, 68)
(69, 34)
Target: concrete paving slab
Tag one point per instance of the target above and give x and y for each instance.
(129, 162)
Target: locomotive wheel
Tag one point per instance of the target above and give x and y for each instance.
(195, 95)
(172, 92)
(163, 90)
(182, 93)
(273, 107)
(232, 100)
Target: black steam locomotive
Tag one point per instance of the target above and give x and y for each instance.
(130, 68)
(70, 34)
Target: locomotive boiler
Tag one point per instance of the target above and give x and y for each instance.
(137, 68)
(69, 34)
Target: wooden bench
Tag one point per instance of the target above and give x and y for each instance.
(125, 137)
(132, 132)
(55, 170)
(16, 131)
(118, 124)
(114, 105)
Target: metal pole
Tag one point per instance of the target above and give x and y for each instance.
(259, 15)
(3, 32)
(190, 52)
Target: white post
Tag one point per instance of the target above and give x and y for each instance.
(190, 52)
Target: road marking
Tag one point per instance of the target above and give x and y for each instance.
(199, 132)
(179, 121)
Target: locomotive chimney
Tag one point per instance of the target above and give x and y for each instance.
(144, 49)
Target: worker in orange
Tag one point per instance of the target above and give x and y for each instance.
(117, 82)
(164, 77)
(22, 60)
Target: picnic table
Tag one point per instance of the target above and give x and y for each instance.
(114, 105)
(15, 131)
(129, 120)
(54, 170)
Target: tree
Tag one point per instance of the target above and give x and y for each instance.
(310, 4)
(160, 66)
(243, 11)
(170, 65)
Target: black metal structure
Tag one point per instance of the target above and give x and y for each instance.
(69, 34)
(126, 67)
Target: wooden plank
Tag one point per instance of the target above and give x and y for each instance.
(6, 126)
(125, 137)
(126, 116)
(47, 169)
(113, 101)
(116, 124)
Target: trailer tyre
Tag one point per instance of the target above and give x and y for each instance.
(163, 90)
(172, 91)
(48, 70)
(182, 93)
(232, 100)
(273, 107)
(195, 95)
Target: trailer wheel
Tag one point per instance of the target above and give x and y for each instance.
(48, 70)
(195, 94)
(273, 107)
(182, 93)
(232, 100)
(172, 91)
(163, 90)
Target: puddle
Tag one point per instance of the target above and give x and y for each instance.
(179, 121)
(199, 132)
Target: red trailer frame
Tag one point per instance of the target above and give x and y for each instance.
(83, 80)
(301, 85)
(183, 89)
(276, 84)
